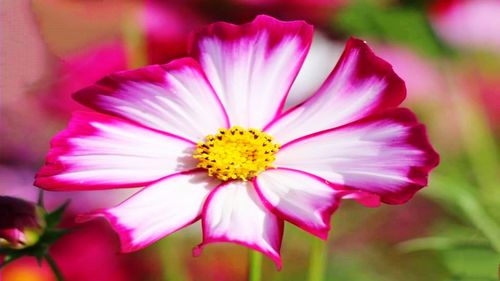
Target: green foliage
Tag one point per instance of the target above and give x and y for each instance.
(404, 25)
(467, 258)
(471, 263)
(54, 218)
(470, 246)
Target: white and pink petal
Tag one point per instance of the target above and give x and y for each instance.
(234, 213)
(174, 98)
(252, 66)
(98, 151)
(361, 84)
(300, 198)
(387, 155)
(158, 210)
(364, 198)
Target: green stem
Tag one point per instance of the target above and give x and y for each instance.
(40, 198)
(480, 218)
(54, 267)
(317, 260)
(174, 268)
(255, 266)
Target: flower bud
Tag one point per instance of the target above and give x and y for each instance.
(21, 223)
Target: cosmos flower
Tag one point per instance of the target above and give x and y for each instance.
(207, 139)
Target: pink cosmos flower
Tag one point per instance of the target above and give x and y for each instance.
(207, 139)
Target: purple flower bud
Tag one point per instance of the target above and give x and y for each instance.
(21, 222)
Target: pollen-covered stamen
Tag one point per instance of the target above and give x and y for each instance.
(236, 153)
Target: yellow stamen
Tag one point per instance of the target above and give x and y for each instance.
(236, 153)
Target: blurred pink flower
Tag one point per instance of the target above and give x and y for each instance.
(80, 70)
(490, 91)
(154, 126)
(27, 269)
(469, 23)
(97, 258)
(23, 64)
(164, 27)
(318, 12)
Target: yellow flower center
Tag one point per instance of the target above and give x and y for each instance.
(236, 153)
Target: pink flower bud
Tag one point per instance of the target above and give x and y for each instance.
(21, 222)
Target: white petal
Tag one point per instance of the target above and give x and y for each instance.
(252, 66)
(361, 84)
(97, 151)
(388, 155)
(158, 210)
(175, 98)
(324, 53)
(300, 198)
(234, 213)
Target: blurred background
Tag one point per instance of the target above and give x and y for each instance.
(447, 51)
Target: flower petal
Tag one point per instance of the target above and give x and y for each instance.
(98, 151)
(300, 198)
(252, 66)
(361, 84)
(364, 198)
(234, 213)
(388, 155)
(158, 210)
(13, 236)
(175, 98)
